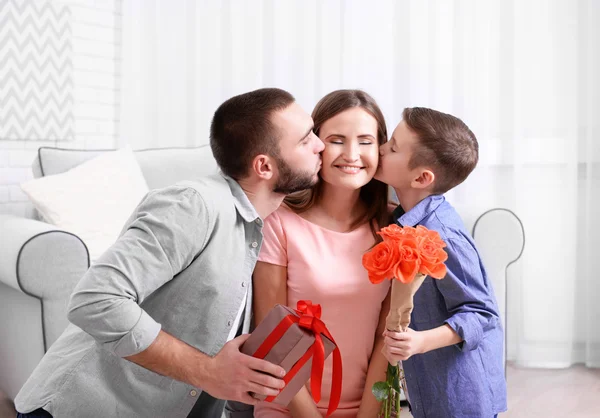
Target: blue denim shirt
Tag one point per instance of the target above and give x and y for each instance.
(467, 379)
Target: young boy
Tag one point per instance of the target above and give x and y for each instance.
(452, 355)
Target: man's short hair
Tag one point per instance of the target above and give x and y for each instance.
(242, 128)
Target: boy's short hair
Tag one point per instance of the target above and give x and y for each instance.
(446, 144)
(242, 128)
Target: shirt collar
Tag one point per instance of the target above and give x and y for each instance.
(242, 203)
(422, 210)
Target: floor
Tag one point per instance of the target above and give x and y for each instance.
(573, 392)
(532, 393)
(537, 393)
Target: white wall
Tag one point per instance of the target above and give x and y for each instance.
(96, 31)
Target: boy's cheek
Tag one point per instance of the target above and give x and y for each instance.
(379, 175)
(384, 175)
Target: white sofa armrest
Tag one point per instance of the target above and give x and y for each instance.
(43, 262)
(39, 267)
(500, 238)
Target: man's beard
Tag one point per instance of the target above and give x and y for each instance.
(291, 181)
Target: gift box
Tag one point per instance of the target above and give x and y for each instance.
(298, 341)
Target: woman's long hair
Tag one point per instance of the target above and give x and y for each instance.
(373, 194)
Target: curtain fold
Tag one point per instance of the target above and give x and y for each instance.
(523, 75)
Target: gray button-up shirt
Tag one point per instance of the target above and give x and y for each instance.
(183, 263)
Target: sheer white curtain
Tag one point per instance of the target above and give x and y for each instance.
(522, 74)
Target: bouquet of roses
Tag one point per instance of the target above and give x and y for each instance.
(406, 255)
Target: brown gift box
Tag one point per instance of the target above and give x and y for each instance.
(287, 351)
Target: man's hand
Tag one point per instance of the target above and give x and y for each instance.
(231, 375)
(399, 346)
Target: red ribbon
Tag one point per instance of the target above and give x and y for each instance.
(309, 318)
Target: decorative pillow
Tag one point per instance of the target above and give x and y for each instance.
(92, 200)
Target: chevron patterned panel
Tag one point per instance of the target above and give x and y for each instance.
(36, 71)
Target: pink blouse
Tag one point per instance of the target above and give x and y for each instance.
(325, 267)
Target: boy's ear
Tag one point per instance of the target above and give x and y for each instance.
(425, 179)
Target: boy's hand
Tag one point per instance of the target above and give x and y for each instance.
(399, 346)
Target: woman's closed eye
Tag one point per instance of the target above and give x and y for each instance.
(341, 142)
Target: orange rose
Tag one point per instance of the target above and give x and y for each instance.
(409, 260)
(391, 232)
(433, 235)
(432, 255)
(380, 261)
(394, 232)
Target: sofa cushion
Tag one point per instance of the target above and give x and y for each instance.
(92, 200)
(161, 167)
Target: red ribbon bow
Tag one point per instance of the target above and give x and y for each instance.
(309, 319)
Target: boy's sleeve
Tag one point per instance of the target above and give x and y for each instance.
(466, 295)
(274, 245)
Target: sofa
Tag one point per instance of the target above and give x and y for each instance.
(40, 264)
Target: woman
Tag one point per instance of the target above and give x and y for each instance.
(313, 246)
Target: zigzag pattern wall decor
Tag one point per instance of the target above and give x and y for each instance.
(36, 71)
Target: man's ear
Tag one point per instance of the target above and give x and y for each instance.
(263, 166)
(425, 179)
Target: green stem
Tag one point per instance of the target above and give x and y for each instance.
(385, 407)
(393, 373)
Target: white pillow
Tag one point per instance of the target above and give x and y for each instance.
(92, 200)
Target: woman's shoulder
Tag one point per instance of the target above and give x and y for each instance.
(283, 215)
(284, 211)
